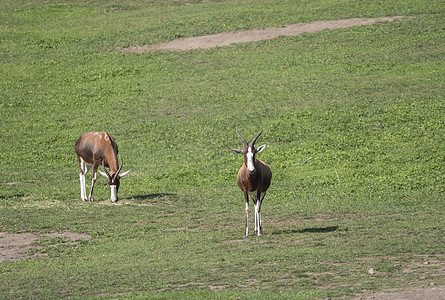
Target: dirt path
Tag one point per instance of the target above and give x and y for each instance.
(228, 38)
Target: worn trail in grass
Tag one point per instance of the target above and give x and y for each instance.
(255, 35)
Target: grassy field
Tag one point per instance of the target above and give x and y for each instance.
(353, 119)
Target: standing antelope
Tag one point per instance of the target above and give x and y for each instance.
(92, 149)
(253, 179)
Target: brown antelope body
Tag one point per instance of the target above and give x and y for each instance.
(94, 149)
(253, 179)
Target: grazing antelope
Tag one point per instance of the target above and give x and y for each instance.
(92, 149)
(253, 179)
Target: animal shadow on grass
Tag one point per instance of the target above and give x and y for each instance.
(146, 197)
(307, 230)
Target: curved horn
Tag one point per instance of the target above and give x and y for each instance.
(103, 165)
(244, 140)
(120, 168)
(257, 136)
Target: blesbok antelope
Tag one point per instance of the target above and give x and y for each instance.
(253, 179)
(93, 149)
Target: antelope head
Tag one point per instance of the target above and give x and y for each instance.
(249, 151)
(113, 180)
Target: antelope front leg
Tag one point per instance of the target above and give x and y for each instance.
(255, 230)
(260, 201)
(260, 228)
(90, 197)
(246, 230)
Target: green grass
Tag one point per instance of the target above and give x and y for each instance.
(346, 195)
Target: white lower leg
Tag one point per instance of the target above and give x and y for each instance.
(260, 230)
(83, 172)
(246, 231)
(256, 218)
(83, 192)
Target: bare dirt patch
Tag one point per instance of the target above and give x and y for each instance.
(228, 38)
(16, 246)
(429, 268)
(430, 293)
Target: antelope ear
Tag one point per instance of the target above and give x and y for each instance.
(260, 148)
(103, 174)
(123, 174)
(237, 151)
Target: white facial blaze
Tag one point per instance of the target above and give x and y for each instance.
(249, 156)
(113, 193)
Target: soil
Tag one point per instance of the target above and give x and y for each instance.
(16, 246)
(430, 293)
(228, 38)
